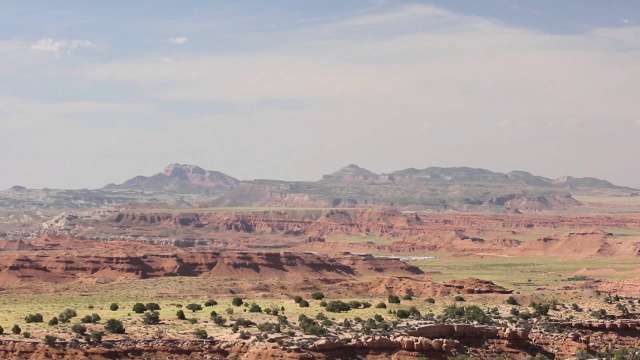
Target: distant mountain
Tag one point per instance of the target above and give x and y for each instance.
(351, 173)
(462, 189)
(179, 178)
(467, 175)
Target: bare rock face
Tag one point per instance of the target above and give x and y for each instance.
(65, 260)
(465, 331)
(408, 343)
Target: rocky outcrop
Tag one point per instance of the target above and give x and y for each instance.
(426, 287)
(63, 260)
(411, 343)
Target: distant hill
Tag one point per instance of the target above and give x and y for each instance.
(179, 178)
(462, 189)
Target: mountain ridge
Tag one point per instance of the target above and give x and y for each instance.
(462, 189)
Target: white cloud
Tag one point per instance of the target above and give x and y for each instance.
(49, 44)
(625, 21)
(178, 40)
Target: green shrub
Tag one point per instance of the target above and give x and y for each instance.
(194, 307)
(219, 320)
(458, 298)
(180, 315)
(151, 318)
(317, 295)
(337, 306)
(49, 339)
(90, 319)
(54, 321)
(200, 334)
(96, 337)
(139, 308)
(16, 329)
(393, 299)
(79, 329)
(430, 300)
(511, 301)
(407, 297)
(236, 301)
(33, 318)
(26, 334)
(152, 307)
(210, 302)
(297, 299)
(67, 315)
(255, 308)
(114, 307)
(304, 303)
(354, 304)
(114, 326)
(381, 305)
(403, 314)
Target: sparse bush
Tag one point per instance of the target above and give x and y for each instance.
(407, 297)
(575, 307)
(514, 311)
(1, 330)
(180, 315)
(194, 307)
(511, 301)
(458, 298)
(381, 305)
(26, 334)
(49, 339)
(210, 302)
(219, 320)
(79, 329)
(366, 305)
(471, 313)
(236, 301)
(33, 318)
(355, 304)
(255, 308)
(337, 306)
(151, 318)
(54, 321)
(96, 337)
(430, 300)
(67, 315)
(304, 303)
(297, 299)
(114, 326)
(114, 307)
(393, 299)
(90, 319)
(317, 295)
(16, 329)
(200, 334)
(403, 314)
(152, 306)
(139, 308)
(229, 311)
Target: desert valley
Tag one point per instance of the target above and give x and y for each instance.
(435, 263)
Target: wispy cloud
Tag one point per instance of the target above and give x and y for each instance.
(625, 21)
(49, 44)
(178, 40)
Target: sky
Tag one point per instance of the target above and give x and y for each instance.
(97, 92)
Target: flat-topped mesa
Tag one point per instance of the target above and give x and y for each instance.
(199, 176)
(352, 173)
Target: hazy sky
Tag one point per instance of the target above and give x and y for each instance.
(93, 92)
